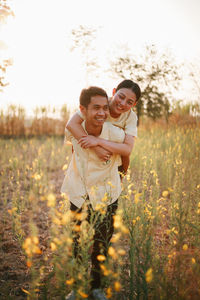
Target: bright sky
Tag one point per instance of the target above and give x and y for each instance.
(45, 72)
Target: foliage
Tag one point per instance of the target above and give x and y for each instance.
(5, 12)
(155, 248)
(3, 67)
(82, 39)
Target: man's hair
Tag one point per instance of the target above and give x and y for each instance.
(87, 94)
(129, 84)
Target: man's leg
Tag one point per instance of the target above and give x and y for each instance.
(76, 235)
(103, 233)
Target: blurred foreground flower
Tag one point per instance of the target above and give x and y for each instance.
(149, 275)
(51, 200)
(185, 247)
(30, 246)
(165, 194)
(37, 176)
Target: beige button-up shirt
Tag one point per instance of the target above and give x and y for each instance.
(88, 176)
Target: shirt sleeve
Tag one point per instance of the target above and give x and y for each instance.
(68, 137)
(116, 134)
(131, 124)
(80, 114)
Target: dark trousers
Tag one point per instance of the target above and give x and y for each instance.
(103, 232)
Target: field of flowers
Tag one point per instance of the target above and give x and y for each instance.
(155, 250)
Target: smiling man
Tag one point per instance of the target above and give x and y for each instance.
(86, 172)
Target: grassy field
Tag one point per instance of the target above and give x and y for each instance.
(155, 251)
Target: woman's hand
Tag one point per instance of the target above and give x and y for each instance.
(91, 141)
(88, 141)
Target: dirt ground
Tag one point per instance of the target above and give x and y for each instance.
(14, 273)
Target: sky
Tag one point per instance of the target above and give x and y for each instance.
(38, 39)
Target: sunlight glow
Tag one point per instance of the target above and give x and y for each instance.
(38, 38)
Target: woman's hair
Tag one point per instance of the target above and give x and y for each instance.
(129, 84)
(87, 94)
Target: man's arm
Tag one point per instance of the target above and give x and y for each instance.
(123, 149)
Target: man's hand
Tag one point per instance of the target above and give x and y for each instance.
(102, 153)
(88, 141)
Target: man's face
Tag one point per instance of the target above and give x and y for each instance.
(97, 111)
(122, 101)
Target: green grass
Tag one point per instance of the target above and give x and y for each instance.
(156, 243)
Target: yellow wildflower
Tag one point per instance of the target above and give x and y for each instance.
(51, 200)
(117, 221)
(56, 221)
(101, 257)
(117, 286)
(110, 184)
(105, 198)
(137, 197)
(185, 247)
(66, 217)
(82, 294)
(65, 167)
(25, 291)
(105, 271)
(124, 229)
(69, 281)
(53, 246)
(109, 292)
(165, 194)
(149, 275)
(112, 252)
(36, 176)
(29, 263)
(77, 228)
(121, 252)
(116, 237)
(193, 260)
(35, 240)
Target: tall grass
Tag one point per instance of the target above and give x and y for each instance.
(155, 251)
(45, 120)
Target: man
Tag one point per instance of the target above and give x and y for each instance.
(86, 172)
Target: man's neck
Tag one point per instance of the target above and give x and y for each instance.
(93, 130)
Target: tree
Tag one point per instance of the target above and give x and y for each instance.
(82, 39)
(157, 77)
(3, 67)
(5, 12)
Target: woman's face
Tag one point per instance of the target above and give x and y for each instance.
(122, 101)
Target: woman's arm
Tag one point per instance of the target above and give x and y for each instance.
(125, 164)
(123, 149)
(74, 126)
